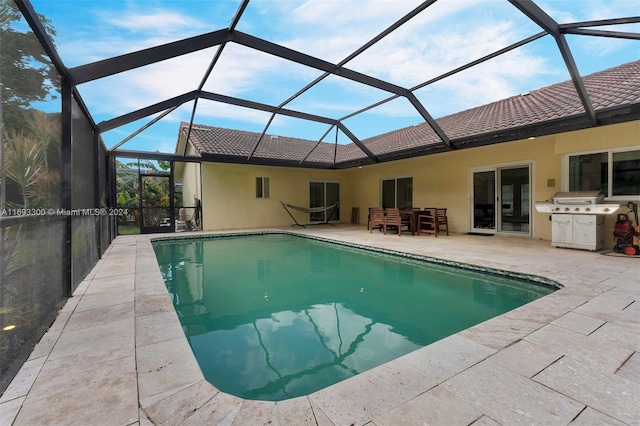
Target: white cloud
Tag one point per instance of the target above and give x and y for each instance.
(159, 21)
(448, 34)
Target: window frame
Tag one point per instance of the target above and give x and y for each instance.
(395, 183)
(263, 187)
(324, 183)
(610, 153)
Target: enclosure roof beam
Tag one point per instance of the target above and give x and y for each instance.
(160, 156)
(290, 113)
(310, 61)
(601, 33)
(41, 34)
(601, 22)
(145, 112)
(364, 47)
(129, 61)
(357, 141)
(313, 62)
(264, 107)
(546, 22)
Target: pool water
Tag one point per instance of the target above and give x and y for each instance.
(276, 316)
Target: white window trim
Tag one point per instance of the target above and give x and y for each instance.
(263, 188)
(394, 178)
(609, 152)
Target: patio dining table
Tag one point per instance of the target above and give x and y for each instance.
(413, 215)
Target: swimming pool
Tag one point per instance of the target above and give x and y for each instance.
(274, 316)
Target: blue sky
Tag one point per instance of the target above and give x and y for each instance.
(448, 34)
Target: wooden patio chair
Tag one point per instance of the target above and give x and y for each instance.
(376, 218)
(441, 220)
(393, 219)
(428, 221)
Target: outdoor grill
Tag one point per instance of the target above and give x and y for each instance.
(574, 219)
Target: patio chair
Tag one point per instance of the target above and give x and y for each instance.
(441, 220)
(428, 221)
(393, 219)
(376, 218)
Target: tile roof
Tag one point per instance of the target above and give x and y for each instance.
(614, 87)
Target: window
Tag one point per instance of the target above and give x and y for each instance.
(262, 187)
(397, 193)
(616, 174)
(626, 173)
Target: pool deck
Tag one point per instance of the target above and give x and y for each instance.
(116, 354)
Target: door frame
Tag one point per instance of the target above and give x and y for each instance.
(336, 216)
(145, 229)
(497, 217)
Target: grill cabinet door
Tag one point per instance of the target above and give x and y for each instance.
(561, 229)
(587, 233)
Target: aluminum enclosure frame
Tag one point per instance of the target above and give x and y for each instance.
(221, 37)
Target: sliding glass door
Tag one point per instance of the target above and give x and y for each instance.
(323, 194)
(514, 200)
(484, 202)
(501, 200)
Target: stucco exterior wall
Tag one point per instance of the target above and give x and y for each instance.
(440, 180)
(229, 195)
(190, 178)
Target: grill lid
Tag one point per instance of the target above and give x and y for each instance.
(578, 197)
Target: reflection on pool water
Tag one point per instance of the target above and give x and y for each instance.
(275, 316)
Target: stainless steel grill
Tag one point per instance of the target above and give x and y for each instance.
(577, 202)
(574, 219)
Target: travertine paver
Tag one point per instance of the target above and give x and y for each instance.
(435, 407)
(175, 408)
(486, 421)
(219, 410)
(631, 368)
(367, 395)
(612, 395)
(296, 411)
(9, 410)
(23, 381)
(100, 343)
(320, 416)
(499, 332)
(525, 358)
(157, 328)
(582, 324)
(98, 316)
(589, 349)
(591, 417)
(164, 367)
(88, 361)
(619, 335)
(116, 355)
(510, 398)
(256, 413)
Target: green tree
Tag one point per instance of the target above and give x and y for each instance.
(23, 163)
(26, 76)
(26, 72)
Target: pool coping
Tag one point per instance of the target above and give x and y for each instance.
(530, 278)
(171, 389)
(336, 404)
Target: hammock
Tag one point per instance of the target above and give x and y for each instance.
(333, 206)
